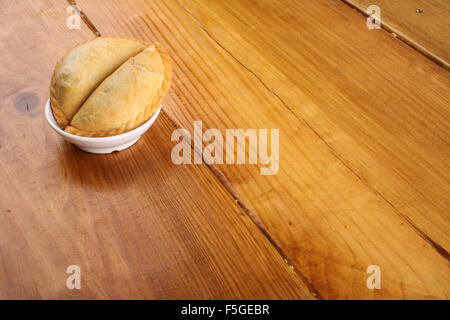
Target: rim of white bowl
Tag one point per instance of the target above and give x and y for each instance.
(49, 116)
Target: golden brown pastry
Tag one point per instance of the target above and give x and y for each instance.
(107, 86)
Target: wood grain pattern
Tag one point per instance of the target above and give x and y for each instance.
(386, 118)
(136, 224)
(424, 24)
(361, 175)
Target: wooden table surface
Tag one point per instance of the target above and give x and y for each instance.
(423, 24)
(364, 152)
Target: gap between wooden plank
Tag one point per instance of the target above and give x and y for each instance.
(219, 175)
(253, 215)
(402, 37)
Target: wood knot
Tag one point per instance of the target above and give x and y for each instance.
(26, 101)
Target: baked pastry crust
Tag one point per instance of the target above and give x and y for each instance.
(78, 73)
(117, 95)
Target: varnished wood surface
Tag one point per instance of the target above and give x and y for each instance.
(136, 224)
(355, 176)
(372, 118)
(363, 176)
(424, 24)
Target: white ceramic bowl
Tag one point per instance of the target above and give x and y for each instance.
(102, 144)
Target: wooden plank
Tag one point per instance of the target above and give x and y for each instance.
(424, 24)
(383, 119)
(136, 224)
(388, 120)
(326, 216)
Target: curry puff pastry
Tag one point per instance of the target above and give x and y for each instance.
(107, 86)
